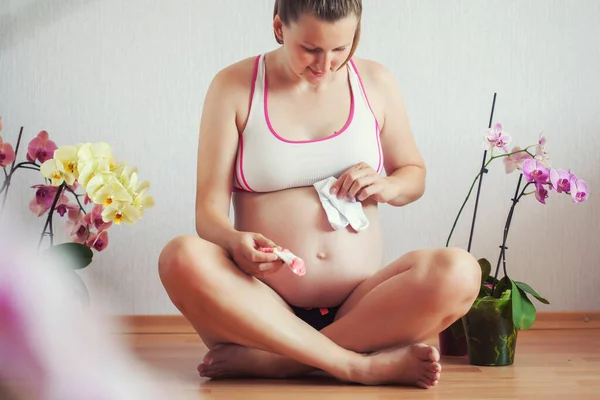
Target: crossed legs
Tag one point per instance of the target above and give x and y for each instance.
(374, 340)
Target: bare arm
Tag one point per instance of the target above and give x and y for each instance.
(217, 146)
(404, 164)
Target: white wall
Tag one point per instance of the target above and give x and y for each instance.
(134, 73)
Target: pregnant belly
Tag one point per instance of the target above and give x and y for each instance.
(336, 260)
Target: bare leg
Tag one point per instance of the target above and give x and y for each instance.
(224, 304)
(407, 302)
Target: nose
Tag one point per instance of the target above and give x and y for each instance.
(324, 62)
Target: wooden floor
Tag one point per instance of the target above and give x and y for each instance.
(550, 364)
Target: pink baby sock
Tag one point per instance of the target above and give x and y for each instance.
(295, 263)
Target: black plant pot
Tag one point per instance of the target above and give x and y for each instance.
(491, 333)
(453, 341)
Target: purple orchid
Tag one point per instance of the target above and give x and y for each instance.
(579, 190)
(535, 171)
(41, 148)
(561, 180)
(541, 194)
(497, 138)
(7, 153)
(515, 160)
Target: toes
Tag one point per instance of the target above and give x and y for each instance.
(434, 367)
(426, 353)
(434, 354)
(423, 384)
(433, 376)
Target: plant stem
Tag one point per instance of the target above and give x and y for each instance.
(12, 169)
(77, 198)
(483, 170)
(502, 256)
(8, 176)
(50, 214)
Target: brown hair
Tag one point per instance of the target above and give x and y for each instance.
(327, 10)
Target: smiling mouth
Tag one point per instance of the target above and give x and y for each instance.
(315, 73)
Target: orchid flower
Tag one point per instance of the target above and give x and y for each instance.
(7, 153)
(579, 190)
(560, 180)
(515, 160)
(111, 192)
(120, 212)
(540, 151)
(94, 218)
(41, 148)
(62, 167)
(534, 170)
(98, 241)
(541, 194)
(497, 138)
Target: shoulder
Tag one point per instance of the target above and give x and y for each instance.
(380, 86)
(237, 76)
(375, 74)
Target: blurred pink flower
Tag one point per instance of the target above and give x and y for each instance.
(41, 148)
(94, 218)
(7, 153)
(44, 196)
(515, 161)
(98, 241)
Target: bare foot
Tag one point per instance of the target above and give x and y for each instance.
(233, 361)
(415, 365)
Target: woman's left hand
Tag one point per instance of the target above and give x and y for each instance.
(361, 182)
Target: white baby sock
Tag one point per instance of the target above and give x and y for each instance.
(341, 212)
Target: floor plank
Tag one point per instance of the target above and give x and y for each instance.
(552, 364)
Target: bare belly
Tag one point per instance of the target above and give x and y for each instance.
(336, 260)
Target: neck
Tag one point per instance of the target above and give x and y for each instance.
(290, 79)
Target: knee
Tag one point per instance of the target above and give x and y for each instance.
(180, 261)
(455, 275)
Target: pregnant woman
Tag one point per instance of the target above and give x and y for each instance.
(274, 128)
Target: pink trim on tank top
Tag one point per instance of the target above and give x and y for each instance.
(241, 137)
(268, 120)
(377, 131)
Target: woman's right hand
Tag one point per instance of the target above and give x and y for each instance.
(244, 249)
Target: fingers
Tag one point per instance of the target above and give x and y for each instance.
(361, 184)
(353, 180)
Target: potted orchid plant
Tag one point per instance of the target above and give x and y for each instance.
(85, 185)
(488, 332)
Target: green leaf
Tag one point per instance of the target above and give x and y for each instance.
(486, 268)
(74, 255)
(501, 286)
(525, 287)
(523, 310)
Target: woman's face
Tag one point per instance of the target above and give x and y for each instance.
(315, 48)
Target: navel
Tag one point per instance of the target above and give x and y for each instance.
(321, 256)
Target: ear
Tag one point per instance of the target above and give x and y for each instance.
(278, 28)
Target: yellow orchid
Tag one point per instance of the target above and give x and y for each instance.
(112, 191)
(95, 172)
(120, 212)
(54, 170)
(67, 155)
(142, 201)
(95, 152)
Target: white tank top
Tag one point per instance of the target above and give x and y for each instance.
(267, 162)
